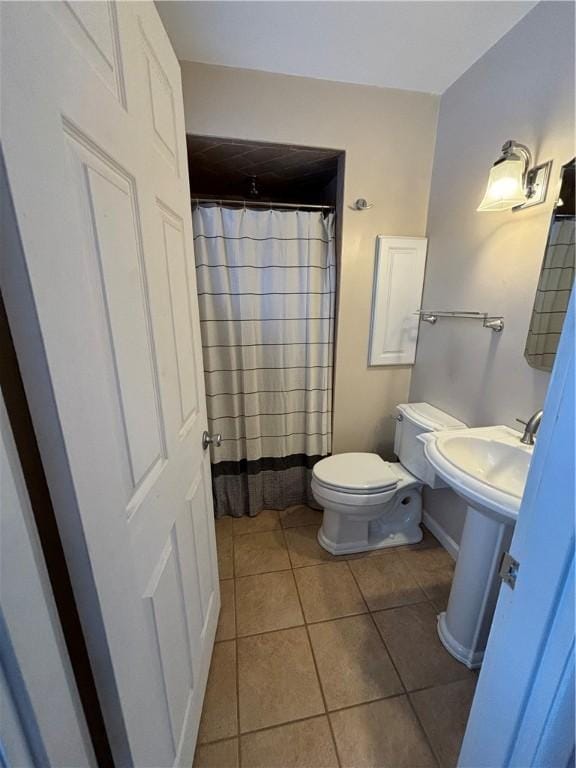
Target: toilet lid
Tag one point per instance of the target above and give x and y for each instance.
(355, 472)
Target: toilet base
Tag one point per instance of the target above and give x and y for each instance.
(409, 536)
(355, 522)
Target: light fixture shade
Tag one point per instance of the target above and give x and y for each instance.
(505, 188)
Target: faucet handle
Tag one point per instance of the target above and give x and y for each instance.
(521, 421)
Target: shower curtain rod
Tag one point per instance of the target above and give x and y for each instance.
(262, 203)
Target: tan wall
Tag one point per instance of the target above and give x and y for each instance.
(388, 136)
(491, 261)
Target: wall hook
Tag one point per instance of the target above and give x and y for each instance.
(361, 205)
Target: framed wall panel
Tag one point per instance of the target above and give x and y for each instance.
(397, 293)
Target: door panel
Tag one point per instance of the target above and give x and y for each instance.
(180, 303)
(160, 106)
(93, 27)
(108, 207)
(199, 497)
(167, 603)
(95, 153)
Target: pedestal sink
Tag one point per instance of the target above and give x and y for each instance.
(487, 467)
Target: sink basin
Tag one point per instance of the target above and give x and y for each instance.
(487, 467)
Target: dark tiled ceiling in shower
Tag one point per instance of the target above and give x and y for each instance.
(229, 168)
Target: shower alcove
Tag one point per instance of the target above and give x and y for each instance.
(265, 237)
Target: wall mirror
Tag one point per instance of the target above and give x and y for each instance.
(556, 279)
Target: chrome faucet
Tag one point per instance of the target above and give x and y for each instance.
(530, 427)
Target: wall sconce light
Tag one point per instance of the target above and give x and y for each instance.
(514, 183)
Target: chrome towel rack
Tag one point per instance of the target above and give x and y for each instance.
(494, 322)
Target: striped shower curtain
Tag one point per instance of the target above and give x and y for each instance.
(266, 286)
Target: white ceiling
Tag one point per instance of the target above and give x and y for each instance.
(410, 44)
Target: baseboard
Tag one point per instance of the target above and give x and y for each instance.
(447, 541)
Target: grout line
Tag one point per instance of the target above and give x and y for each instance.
(233, 548)
(288, 722)
(321, 687)
(425, 599)
(271, 727)
(371, 614)
(405, 694)
(319, 715)
(428, 740)
(313, 565)
(263, 573)
(326, 710)
(321, 564)
(287, 545)
(237, 678)
(237, 665)
(314, 622)
(366, 703)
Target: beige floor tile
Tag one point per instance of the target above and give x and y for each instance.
(306, 744)
(300, 515)
(328, 592)
(427, 559)
(304, 548)
(353, 664)
(267, 601)
(267, 520)
(260, 553)
(386, 582)
(227, 620)
(383, 734)
(222, 754)
(443, 712)
(412, 640)
(433, 569)
(277, 679)
(220, 712)
(225, 548)
(223, 527)
(436, 585)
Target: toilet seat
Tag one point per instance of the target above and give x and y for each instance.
(355, 503)
(360, 474)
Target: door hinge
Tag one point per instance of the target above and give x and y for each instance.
(509, 570)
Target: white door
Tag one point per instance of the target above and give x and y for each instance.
(523, 709)
(102, 305)
(41, 718)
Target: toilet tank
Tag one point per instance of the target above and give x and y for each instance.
(412, 420)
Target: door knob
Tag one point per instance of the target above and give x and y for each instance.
(208, 439)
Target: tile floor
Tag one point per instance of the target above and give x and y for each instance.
(325, 661)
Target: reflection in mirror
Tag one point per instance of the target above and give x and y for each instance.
(556, 279)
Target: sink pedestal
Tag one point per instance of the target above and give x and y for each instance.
(464, 626)
(487, 467)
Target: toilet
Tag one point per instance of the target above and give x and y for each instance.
(370, 503)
